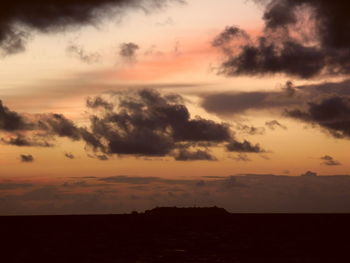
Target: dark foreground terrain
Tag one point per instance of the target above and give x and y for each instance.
(185, 237)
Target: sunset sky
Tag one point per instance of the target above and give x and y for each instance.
(114, 105)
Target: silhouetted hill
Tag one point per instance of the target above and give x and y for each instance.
(187, 211)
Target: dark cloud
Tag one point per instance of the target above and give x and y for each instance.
(230, 103)
(230, 33)
(82, 55)
(303, 38)
(38, 130)
(273, 124)
(323, 104)
(128, 50)
(10, 120)
(23, 141)
(331, 18)
(14, 42)
(26, 158)
(243, 147)
(42, 125)
(97, 102)
(251, 130)
(199, 155)
(147, 123)
(265, 57)
(19, 18)
(90, 139)
(329, 160)
(102, 157)
(59, 125)
(138, 123)
(69, 156)
(341, 88)
(332, 114)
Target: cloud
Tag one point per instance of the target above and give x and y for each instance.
(332, 114)
(341, 88)
(231, 103)
(241, 157)
(230, 33)
(128, 50)
(325, 105)
(82, 55)
(40, 127)
(243, 147)
(13, 42)
(26, 158)
(273, 124)
(38, 130)
(69, 156)
(199, 155)
(135, 123)
(59, 125)
(251, 130)
(102, 157)
(147, 123)
(10, 120)
(23, 141)
(20, 18)
(291, 58)
(254, 193)
(304, 39)
(329, 161)
(98, 102)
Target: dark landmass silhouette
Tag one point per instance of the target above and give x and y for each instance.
(176, 235)
(187, 211)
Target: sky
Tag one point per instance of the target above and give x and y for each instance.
(112, 106)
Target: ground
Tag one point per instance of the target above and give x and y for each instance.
(169, 238)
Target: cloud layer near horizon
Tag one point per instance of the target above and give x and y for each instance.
(121, 194)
